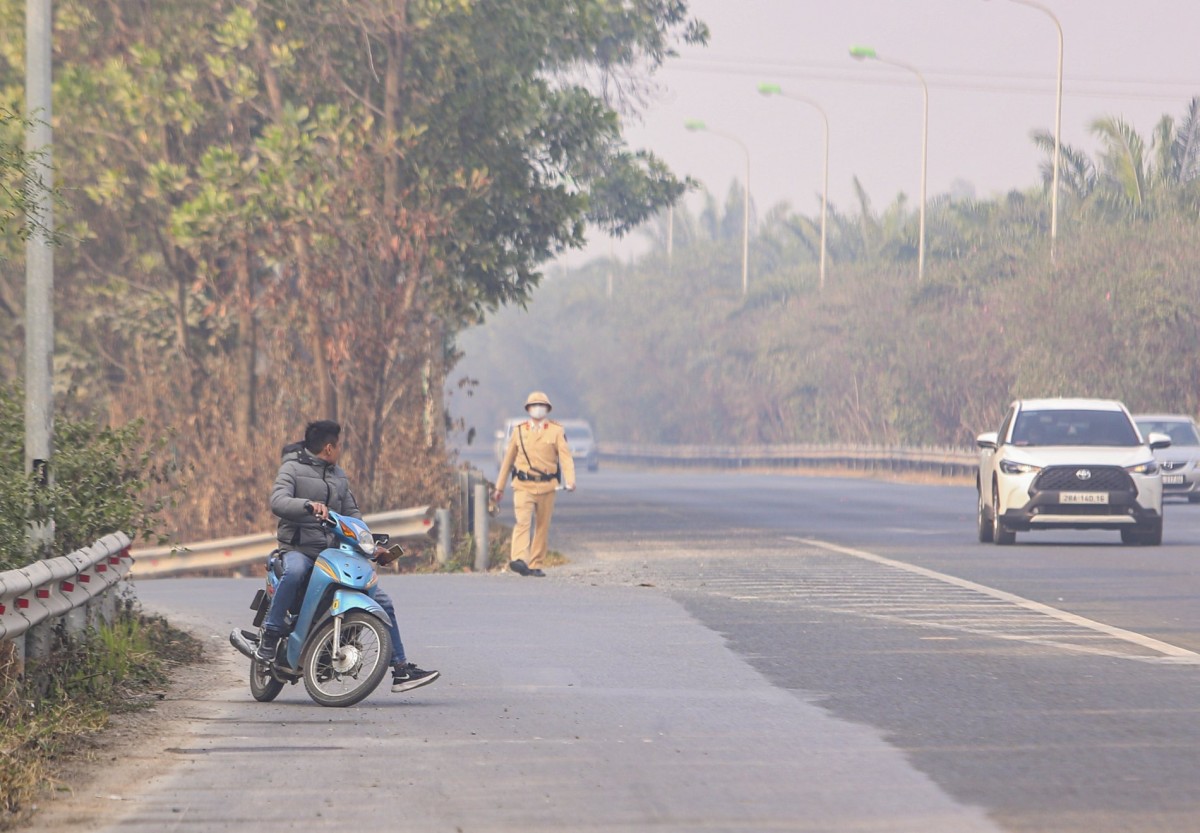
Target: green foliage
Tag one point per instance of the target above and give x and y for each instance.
(104, 481)
(20, 186)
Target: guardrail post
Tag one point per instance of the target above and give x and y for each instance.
(39, 639)
(92, 612)
(481, 528)
(76, 619)
(108, 607)
(442, 517)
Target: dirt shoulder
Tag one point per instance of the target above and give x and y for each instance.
(116, 763)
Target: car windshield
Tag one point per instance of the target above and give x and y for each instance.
(578, 432)
(1103, 428)
(1180, 431)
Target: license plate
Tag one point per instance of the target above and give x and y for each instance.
(1172, 479)
(1083, 497)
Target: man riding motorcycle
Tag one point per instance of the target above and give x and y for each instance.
(309, 484)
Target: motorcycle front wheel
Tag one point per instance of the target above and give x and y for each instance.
(343, 680)
(263, 685)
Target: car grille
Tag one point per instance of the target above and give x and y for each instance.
(1082, 510)
(1066, 479)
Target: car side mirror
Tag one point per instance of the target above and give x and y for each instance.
(988, 440)
(1157, 441)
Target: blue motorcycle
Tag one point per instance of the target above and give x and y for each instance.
(338, 641)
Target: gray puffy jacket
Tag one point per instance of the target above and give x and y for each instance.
(303, 478)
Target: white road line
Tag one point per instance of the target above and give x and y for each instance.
(1164, 648)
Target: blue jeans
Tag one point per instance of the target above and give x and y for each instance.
(296, 569)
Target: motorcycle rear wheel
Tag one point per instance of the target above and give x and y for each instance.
(263, 685)
(367, 635)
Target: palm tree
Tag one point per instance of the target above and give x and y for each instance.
(1127, 175)
(1077, 174)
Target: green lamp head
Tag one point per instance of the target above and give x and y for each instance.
(863, 53)
(767, 88)
(695, 124)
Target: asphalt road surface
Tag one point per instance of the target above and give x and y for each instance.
(739, 652)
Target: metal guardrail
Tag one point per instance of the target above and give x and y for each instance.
(402, 525)
(75, 587)
(943, 461)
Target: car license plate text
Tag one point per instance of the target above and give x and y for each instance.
(1083, 497)
(1172, 479)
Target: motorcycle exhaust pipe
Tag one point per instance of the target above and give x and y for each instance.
(237, 639)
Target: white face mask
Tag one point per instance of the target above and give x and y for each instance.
(538, 411)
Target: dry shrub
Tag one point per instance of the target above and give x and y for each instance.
(226, 471)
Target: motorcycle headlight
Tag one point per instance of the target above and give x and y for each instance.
(366, 541)
(1150, 467)
(1012, 467)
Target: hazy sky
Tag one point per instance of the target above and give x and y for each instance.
(990, 65)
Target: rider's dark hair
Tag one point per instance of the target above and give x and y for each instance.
(321, 433)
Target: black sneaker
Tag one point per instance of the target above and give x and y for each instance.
(267, 649)
(407, 677)
(519, 567)
(536, 573)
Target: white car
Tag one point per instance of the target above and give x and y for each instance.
(582, 441)
(1069, 464)
(1181, 465)
(580, 438)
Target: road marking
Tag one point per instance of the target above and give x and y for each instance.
(1170, 653)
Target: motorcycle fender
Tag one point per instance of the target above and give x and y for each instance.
(345, 600)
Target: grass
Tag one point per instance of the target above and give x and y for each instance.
(49, 709)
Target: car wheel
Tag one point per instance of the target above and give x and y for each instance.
(984, 522)
(1000, 533)
(1149, 535)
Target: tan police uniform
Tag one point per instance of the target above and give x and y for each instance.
(533, 456)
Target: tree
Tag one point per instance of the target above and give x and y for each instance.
(288, 209)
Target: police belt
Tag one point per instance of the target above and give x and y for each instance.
(533, 478)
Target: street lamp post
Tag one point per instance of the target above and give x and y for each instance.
(863, 53)
(1033, 4)
(775, 89)
(696, 125)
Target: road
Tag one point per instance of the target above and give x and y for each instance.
(739, 652)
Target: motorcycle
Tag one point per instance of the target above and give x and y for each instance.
(338, 640)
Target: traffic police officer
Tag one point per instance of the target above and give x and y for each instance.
(538, 458)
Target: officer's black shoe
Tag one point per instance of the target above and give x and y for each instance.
(519, 567)
(268, 648)
(536, 573)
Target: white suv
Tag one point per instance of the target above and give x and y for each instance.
(1069, 464)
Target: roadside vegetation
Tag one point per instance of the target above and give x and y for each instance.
(105, 480)
(283, 211)
(50, 712)
(676, 355)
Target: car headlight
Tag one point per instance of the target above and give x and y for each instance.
(1012, 467)
(1150, 467)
